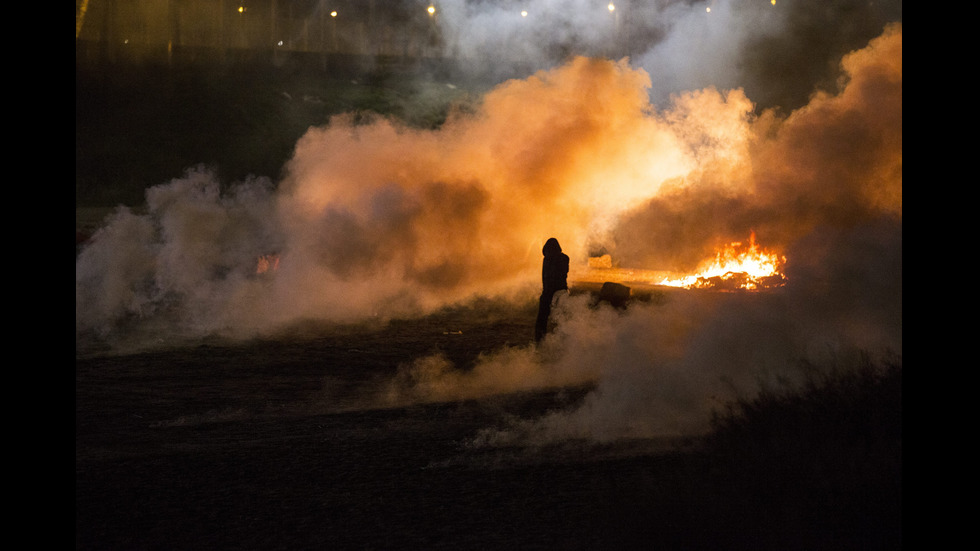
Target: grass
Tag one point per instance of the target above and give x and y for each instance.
(824, 459)
(812, 466)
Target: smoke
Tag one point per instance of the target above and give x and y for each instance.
(379, 219)
(824, 185)
(375, 219)
(778, 52)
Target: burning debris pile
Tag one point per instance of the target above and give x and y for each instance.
(732, 281)
(737, 267)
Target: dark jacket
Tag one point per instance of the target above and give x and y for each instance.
(554, 269)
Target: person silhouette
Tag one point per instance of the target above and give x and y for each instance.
(554, 274)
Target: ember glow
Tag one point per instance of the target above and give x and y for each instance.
(267, 263)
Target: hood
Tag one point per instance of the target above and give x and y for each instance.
(551, 247)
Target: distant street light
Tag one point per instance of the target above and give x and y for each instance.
(615, 42)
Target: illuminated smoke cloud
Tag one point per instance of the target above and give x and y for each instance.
(825, 185)
(379, 219)
(375, 219)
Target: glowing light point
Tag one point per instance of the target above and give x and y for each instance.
(333, 13)
(241, 9)
(708, 9)
(612, 7)
(523, 13)
(431, 10)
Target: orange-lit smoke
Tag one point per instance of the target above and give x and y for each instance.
(443, 215)
(823, 187)
(376, 219)
(834, 162)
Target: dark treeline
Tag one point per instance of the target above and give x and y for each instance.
(142, 123)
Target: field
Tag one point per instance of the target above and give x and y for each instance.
(288, 443)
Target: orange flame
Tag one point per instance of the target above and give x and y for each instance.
(267, 263)
(736, 266)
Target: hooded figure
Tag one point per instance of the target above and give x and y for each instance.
(554, 271)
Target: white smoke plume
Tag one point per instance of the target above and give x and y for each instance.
(775, 51)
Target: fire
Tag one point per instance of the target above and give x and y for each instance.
(267, 263)
(736, 266)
